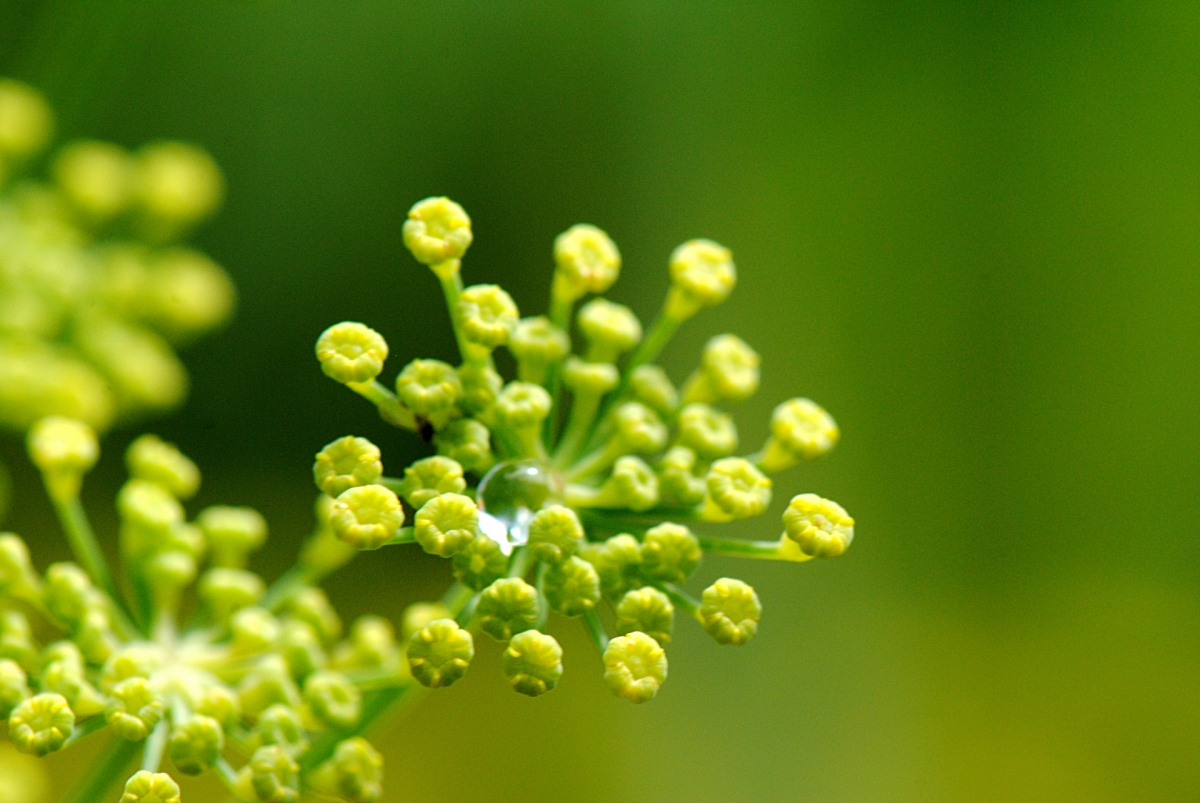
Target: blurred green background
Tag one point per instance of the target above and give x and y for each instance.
(969, 230)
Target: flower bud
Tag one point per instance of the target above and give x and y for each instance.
(150, 459)
(97, 177)
(428, 386)
(134, 708)
(480, 563)
(800, 430)
(487, 315)
(708, 432)
(220, 703)
(268, 683)
(633, 485)
(281, 725)
(187, 294)
(587, 261)
(611, 329)
(68, 593)
(822, 528)
(354, 773)
(481, 386)
(177, 182)
(16, 640)
(635, 666)
(253, 630)
(347, 463)
(507, 606)
(647, 610)
(41, 724)
(272, 776)
(728, 370)
(95, 636)
(533, 663)
(167, 573)
(467, 442)
(437, 231)
(149, 514)
(150, 787)
(196, 744)
(736, 490)
(555, 534)
(730, 611)
(372, 645)
(64, 675)
(440, 653)
(141, 367)
(226, 591)
(351, 352)
(702, 275)
(572, 587)
(136, 660)
(64, 449)
(429, 478)
(419, 614)
(677, 483)
(333, 699)
(300, 648)
(367, 517)
(234, 532)
(617, 561)
(446, 524)
(651, 386)
(639, 429)
(312, 606)
(537, 344)
(14, 686)
(590, 378)
(522, 406)
(16, 570)
(670, 553)
(26, 121)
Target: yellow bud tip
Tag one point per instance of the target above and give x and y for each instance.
(703, 274)
(150, 787)
(437, 231)
(822, 528)
(97, 177)
(367, 517)
(351, 352)
(730, 611)
(26, 121)
(178, 182)
(635, 666)
(587, 260)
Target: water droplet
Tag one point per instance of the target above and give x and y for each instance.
(510, 494)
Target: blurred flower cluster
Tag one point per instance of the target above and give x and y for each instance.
(589, 485)
(96, 289)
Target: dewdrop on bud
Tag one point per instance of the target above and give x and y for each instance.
(64, 449)
(438, 233)
(25, 119)
(587, 261)
(440, 653)
(487, 315)
(177, 182)
(428, 386)
(150, 787)
(351, 352)
(736, 490)
(730, 611)
(150, 458)
(800, 430)
(532, 663)
(822, 528)
(507, 606)
(635, 666)
(97, 177)
(41, 724)
(648, 610)
(429, 478)
(702, 275)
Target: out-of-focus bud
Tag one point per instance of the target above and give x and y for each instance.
(736, 490)
(587, 261)
(702, 275)
(440, 653)
(438, 233)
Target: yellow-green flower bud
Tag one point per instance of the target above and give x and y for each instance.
(633, 485)
(64, 449)
(611, 329)
(651, 386)
(16, 640)
(300, 648)
(572, 587)
(354, 773)
(372, 644)
(800, 430)
(555, 534)
(134, 708)
(311, 605)
(187, 294)
(730, 611)
(25, 119)
(507, 606)
(481, 386)
(347, 463)
(702, 275)
(522, 406)
(429, 478)
(66, 651)
(487, 315)
(590, 378)
(537, 344)
(333, 699)
(438, 231)
(587, 261)
(272, 776)
(65, 676)
(325, 553)
(351, 352)
(647, 610)
(226, 591)
(728, 372)
(149, 513)
(68, 593)
(480, 563)
(419, 614)
(167, 573)
(639, 429)
(440, 652)
(134, 660)
(533, 663)
(736, 490)
(177, 182)
(467, 442)
(95, 636)
(41, 724)
(268, 683)
(196, 744)
(635, 666)
(446, 524)
(97, 177)
(617, 561)
(151, 459)
(281, 725)
(150, 787)
(14, 686)
(233, 532)
(678, 484)
(822, 528)
(254, 630)
(708, 432)
(367, 517)
(16, 570)
(220, 703)
(428, 386)
(670, 553)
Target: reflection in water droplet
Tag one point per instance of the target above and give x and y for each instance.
(509, 496)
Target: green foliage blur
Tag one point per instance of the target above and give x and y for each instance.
(969, 230)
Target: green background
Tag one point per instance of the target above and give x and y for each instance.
(969, 230)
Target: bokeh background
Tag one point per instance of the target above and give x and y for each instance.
(968, 229)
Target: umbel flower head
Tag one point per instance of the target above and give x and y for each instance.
(588, 485)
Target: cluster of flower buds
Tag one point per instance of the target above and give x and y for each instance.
(599, 509)
(262, 686)
(96, 290)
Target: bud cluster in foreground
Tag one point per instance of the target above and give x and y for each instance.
(589, 484)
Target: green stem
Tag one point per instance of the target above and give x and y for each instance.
(226, 772)
(683, 600)
(390, 408)
(85, 729)
(519, 564)
(82, 539)
(452, 287)
(764, 550)
(405, 535)
(156, 744)
(105, 773)
(596, 630)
